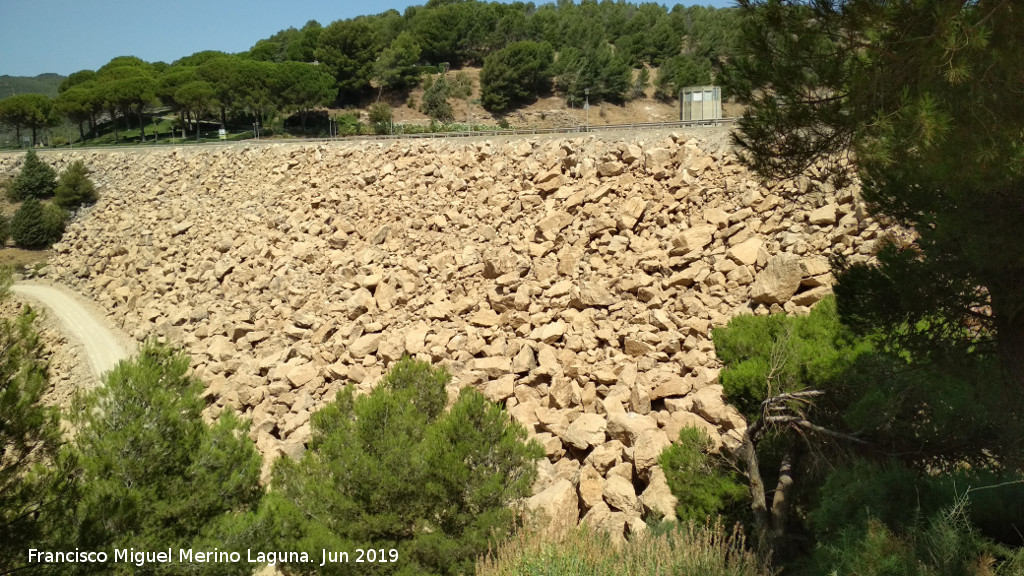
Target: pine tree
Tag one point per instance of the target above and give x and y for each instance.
(154, 474)
(36, 179)
(36, 481)
(36, 226)
(75, 187)
(394, 470)
(923, 98)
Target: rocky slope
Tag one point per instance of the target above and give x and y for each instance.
(576, 281)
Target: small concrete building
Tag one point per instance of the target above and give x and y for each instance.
(700, 103)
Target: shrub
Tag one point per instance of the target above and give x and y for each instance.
(36, 480)
(393, 470)
(75, 187)
(943, 544)
(690, 549)
(703, 485)
(36, 179)
(435, 100)
(380, 115)
(5, 230)
(37, 226)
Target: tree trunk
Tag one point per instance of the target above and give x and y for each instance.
(302, 116)
(81, 131)
(781, 500)
(223, 117)
(197, 127)
(142, 126)
(33, 136)
(113, 123)
(17, 134)
(747, 454)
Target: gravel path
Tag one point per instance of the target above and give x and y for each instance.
(102, 345)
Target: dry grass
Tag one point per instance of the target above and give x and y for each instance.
(19, 259)
(684, 551)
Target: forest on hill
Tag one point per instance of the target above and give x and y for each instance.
(592, 51)
(45, 84)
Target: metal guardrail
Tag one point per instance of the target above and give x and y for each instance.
(429, 135)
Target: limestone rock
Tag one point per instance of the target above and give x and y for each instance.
(779, 280)
(626, 427)
(586, 430)
(620, 495)
(556, 509)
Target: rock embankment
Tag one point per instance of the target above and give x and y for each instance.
(576, 281)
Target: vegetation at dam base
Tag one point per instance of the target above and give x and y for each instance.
(40, 202)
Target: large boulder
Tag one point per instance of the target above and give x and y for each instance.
(779, 280)
(555, 510)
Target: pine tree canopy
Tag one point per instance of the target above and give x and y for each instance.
(925, 99)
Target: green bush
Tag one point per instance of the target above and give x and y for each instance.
(380, 115)
(693, 549)
(943, 544)
(5, 230)
(36, 179)
(703, 484)
(36, 225)
(154, 475)
(36, 479)
(435, 100)
(75, 187)
(786, 353)
(393, 470)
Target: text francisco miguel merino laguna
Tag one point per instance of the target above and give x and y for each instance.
(215, 556)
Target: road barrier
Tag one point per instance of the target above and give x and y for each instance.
(431, 135)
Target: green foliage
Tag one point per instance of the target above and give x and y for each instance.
(944, 544)
(5, 230)
(154, 474)
(461, 86)
(643, 80)
(302, 87)
(37, 226)
(708, 550)
(36, 482)
(37, 179)
(46, 84)
(33, 111)
(393, 470)
(435, 100)
(768, 355)
(701, 481)
(380, 116)
(348, 124)
(348, 49)
(679, 72)
(605, 73)
(515, 75)
(923, 107)
(75, 187)
(396, 67)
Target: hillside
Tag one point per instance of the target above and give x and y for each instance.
(575, 280)
(42, 84)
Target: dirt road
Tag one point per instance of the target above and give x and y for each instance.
(101, 345)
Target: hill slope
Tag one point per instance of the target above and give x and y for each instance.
(42, 84)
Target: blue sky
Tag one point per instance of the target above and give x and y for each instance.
(64, 36)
